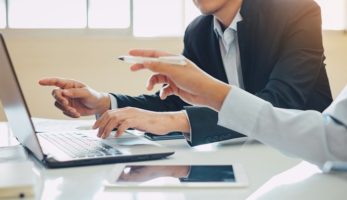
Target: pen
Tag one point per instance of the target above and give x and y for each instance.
(176, 60)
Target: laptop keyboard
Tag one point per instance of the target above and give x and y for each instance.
(78, 145)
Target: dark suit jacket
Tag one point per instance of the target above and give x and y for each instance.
(282, 61)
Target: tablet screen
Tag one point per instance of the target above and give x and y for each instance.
(158, 174)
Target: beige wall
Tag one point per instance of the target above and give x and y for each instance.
(90, 57)
(335, 44)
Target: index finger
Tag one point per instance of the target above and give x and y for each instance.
(148, 53)
(59, 82)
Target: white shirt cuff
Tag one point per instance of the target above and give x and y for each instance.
(188, 136)
(240, 111)
(114, 103)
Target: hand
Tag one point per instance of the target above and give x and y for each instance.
(154, 122)
(76, 99)
(188, 82)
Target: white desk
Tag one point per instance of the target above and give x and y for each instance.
(271, 175)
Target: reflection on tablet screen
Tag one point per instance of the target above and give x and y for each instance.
(157, 174)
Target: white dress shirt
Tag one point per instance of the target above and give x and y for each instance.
(310, 135)
(230, 52)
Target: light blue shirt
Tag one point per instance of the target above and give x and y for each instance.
(311, 135)
(229, 48)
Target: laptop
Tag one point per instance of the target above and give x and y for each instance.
(63, 148)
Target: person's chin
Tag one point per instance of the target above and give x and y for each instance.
(206, 12)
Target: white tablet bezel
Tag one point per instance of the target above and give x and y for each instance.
(241, 179)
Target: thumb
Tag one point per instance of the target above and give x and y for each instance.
(165, 92)
(157, 79)
(169, 89)
(76, 93)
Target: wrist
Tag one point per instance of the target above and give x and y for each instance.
(218, 96)
(181, 171)
(179, 122)
(104, 103)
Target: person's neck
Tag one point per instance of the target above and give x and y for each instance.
(226, 14)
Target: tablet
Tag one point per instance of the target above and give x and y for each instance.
(173, 176)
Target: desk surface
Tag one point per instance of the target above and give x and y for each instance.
(271, 175)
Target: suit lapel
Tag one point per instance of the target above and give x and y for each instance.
(244, 55)
(246, 42)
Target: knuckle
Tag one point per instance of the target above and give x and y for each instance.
(108, 114)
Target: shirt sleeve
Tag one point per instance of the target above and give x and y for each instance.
(114, 103)
(310, 135)
(188, 136)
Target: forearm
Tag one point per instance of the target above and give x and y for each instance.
(304, 134)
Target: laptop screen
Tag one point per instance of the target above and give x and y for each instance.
(14, 104)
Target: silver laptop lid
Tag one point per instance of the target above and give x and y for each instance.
(14, 104)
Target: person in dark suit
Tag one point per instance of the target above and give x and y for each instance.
(270, 48)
